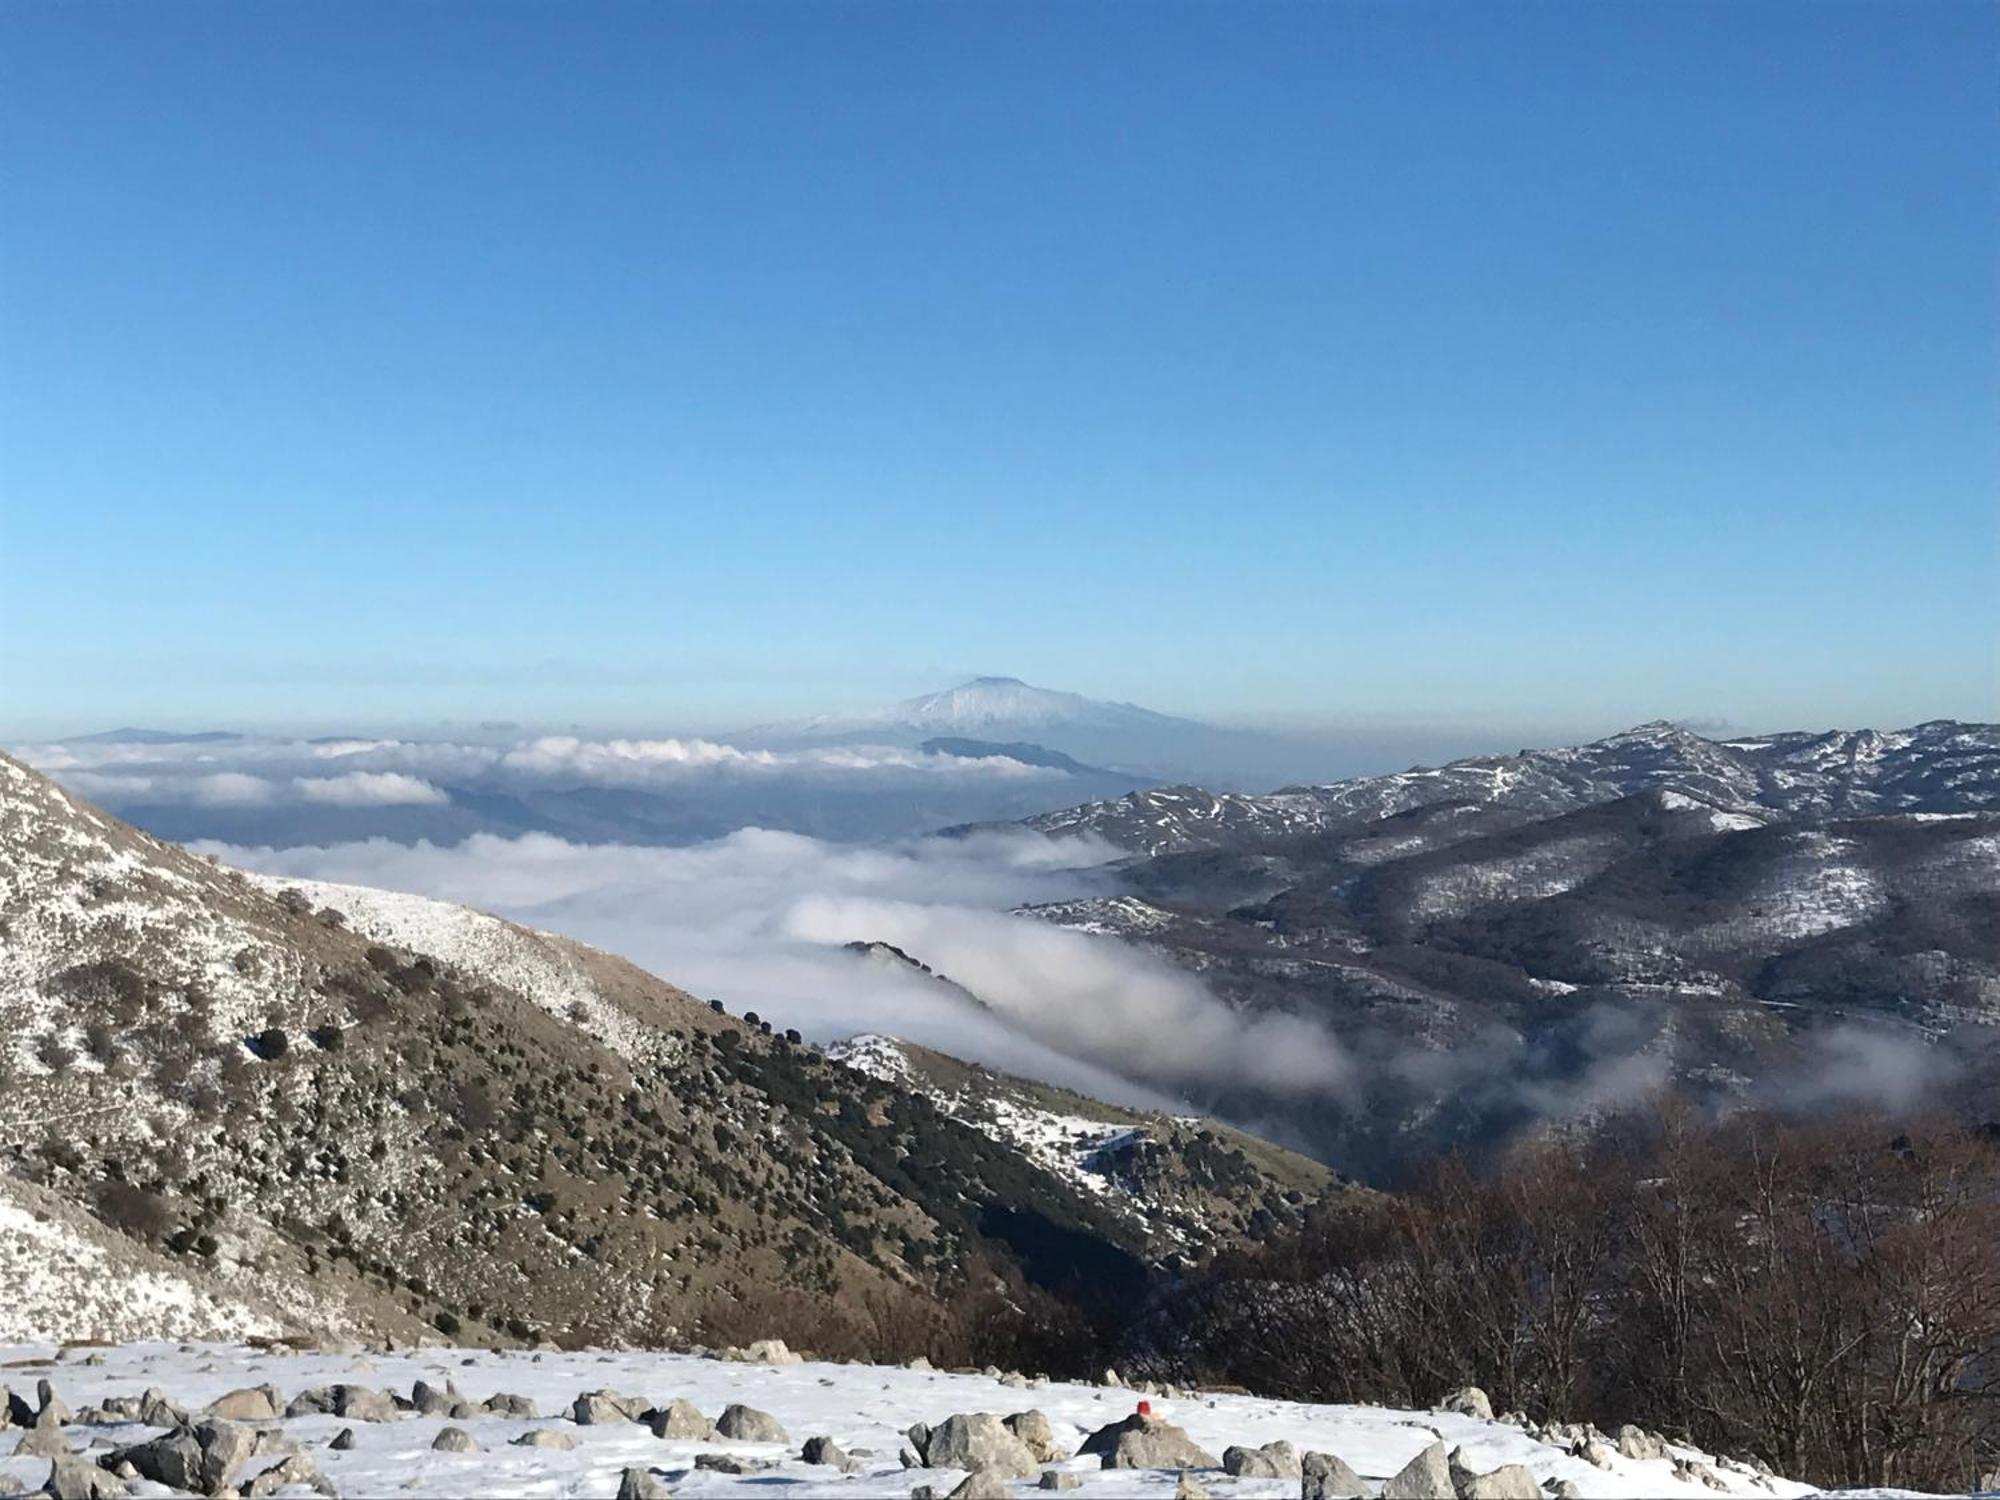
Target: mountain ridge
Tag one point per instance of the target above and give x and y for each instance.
(331, 1107)
(1941, 764)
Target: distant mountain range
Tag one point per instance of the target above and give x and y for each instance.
(1518, 941)
(1942, 766)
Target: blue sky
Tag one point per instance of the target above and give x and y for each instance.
(684, 365)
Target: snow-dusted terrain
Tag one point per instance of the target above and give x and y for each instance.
(866, 1409)
(1940, 766)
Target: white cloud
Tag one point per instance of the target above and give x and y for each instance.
(367, 789)
(231, 789)
(759, 920)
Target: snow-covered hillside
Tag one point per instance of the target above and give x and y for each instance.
(866, 1410)
(1941, 766)
(1189, 1183)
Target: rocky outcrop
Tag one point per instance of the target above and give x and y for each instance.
(202, 1458)
(1279, 1460)
(1146, 1442)
(1508, 1482)
(1325, 1476)
(680, 1421)
(1425, 1477)
(1033, 1429)
(979, 1442)
(1468, 1401)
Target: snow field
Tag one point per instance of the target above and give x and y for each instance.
(859, 1406)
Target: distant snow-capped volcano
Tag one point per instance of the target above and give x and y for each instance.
(982, 705)
(1118, 735)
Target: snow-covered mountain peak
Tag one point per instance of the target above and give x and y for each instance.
(987, 703)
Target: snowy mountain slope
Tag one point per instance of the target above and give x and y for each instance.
(348, 1109)
(1943, 766)
(865, 1409)
(1193, 1183)
(1497, 969)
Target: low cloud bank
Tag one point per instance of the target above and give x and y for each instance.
(365, 772)
(760, 920)
(283, 792)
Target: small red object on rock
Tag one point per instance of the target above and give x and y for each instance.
(1145, 1408)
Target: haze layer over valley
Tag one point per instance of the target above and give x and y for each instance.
(1367, 970)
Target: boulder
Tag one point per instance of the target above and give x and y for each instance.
(681, 1421)
(1323, 1476)
(357, 1403)
(48, 1405)
(173, 1459)
(360, 1404)
(824, 1450)
(428, 1401)
(155, 1410)
(606, 1408)
(291, 1473)
(1425, 1477)
(1689, 1471)
(1591, 1452)
(1033, 1429)
(545, 1437)
(1469, 1401)
(506, 1404)
(73, 1479)
(1141, 1442)
(1563, 1489)
(1508, 1482)
(982, 1484)
(1056, 1479)
(267, 1442)
(979, 1442)
(253, 1403)
(642, 1484)
(730, 1463)
(1279, 1460)
(1187, 1489)
(746, 1424)
(43, 1440)
(343, 1440)
(453, 1440)
(1636, 1442)
(225, 1448)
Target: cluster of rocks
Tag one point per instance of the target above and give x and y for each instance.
(762, 1352)
(209, 1453)
(994, 1450)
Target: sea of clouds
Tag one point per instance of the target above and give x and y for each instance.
(761, 920)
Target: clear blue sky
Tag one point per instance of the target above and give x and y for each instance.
(683, 364)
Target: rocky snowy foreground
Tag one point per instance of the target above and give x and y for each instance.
(473, 1422)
